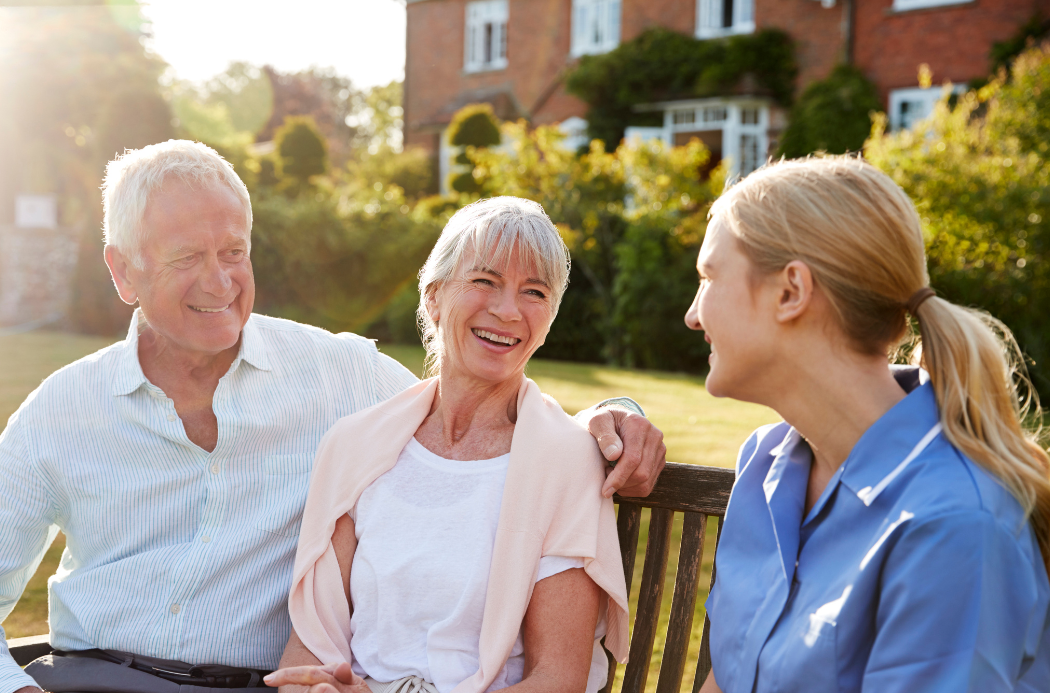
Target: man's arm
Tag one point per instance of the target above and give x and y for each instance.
(625, 436)
(25, 515)
(629, 441)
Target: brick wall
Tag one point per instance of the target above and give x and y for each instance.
(538, 43)
(638, 15)
(954, 40)
(817, 32)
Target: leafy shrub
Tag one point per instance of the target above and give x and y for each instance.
(980, 176)
(301, 148)
(661, 65)
(633, 220)
(336, 261)
(411, 170)
(833, 115)
(473, 126)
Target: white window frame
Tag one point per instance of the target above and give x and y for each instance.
(485, 36)
(595, 26)
(905, 5)
(727, 115)
(927, 97)
(710, 18)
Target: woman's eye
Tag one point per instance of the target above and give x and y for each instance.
(537, 293)
(484, 281)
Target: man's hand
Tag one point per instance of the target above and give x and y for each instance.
(330, 678)
(633, 443)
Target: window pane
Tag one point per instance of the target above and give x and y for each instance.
(745, 11)
(714, 114)
(749, 116)
(682, 117)
(748, 154)
(727, 14)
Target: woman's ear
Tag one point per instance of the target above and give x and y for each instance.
(795, 291)
(432, 306)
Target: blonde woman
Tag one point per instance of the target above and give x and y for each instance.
(455, 537)
(893, 533)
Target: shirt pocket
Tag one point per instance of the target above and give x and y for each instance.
(286, 480)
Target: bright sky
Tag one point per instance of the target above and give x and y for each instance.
(362, 39)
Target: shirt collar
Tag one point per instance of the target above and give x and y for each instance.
(253, 347)
(892, 442)
(128, 376)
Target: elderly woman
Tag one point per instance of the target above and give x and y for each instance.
(456, 537)
(892, 535)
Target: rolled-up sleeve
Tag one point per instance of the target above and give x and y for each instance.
(959, 609)
(26, 515)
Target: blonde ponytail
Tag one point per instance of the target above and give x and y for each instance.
(860, 235)
(975, 368)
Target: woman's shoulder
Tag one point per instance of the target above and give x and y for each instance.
(949, 486)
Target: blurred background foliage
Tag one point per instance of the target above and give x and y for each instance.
(980, 175)
(345, 216)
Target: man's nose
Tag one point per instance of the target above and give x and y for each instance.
(216, 278)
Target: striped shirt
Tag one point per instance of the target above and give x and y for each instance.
(172, 551)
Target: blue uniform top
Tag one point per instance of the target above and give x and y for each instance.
(915, 570)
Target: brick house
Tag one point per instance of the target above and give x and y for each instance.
(514, 54)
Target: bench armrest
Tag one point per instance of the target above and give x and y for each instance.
(25, 650)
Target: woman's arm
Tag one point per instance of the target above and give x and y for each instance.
(558, 634)
(306, 665)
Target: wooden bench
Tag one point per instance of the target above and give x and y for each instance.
(696, 492)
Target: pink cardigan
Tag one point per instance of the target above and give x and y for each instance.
(552, 506)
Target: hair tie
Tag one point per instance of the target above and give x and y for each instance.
(918, 298)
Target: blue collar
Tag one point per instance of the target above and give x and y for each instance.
(893, 441)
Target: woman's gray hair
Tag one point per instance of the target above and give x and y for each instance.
(132, 177)
(492, 229)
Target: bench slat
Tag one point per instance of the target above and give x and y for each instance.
(680, 623)
(649, 600)
(703, 660)
(628, 522)
(690, 488)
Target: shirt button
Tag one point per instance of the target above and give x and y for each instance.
(205, 539)
(215, 469)
(175, 608)
(171, 417)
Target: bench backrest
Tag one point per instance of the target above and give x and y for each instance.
(698, 493)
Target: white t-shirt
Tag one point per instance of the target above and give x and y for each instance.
(425, 532)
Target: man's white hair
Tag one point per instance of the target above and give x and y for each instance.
(134, 176)
(491, 230)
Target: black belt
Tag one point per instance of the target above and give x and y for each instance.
(208, 675)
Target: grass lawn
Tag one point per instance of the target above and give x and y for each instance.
(698, 430)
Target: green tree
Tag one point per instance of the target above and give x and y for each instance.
(78, 88)
(301, 149)
(473, 127)
(979, 173)
(833, 115)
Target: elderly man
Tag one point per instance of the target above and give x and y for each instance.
(177, 461)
